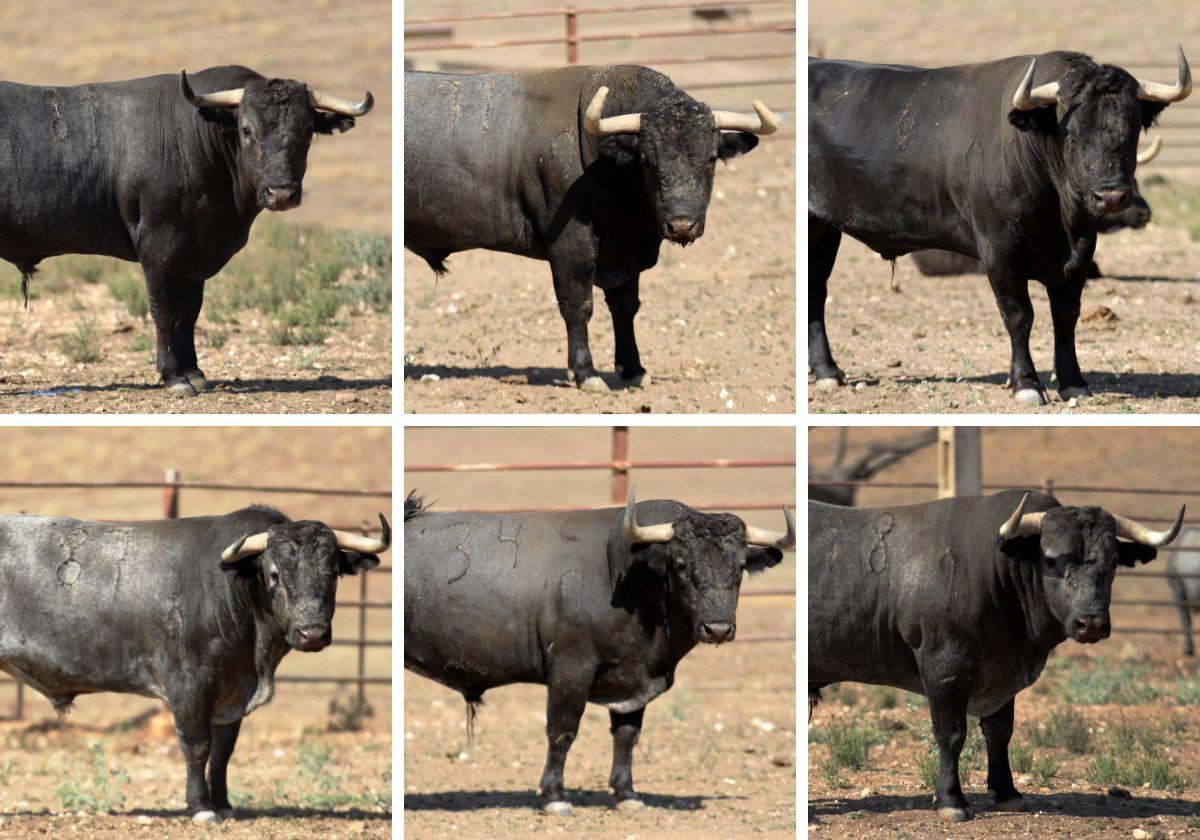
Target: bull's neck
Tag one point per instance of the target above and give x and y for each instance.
(1021, 581)
(224, 153)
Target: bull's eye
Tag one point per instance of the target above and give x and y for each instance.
(273, 576)
(246, 133)
(1051, 563)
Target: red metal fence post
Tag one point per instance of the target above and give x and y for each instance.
(171, 495)
(620, 465)
(572, 36)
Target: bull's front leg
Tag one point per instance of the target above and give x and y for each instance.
(823, 244)
(193, 725)
(1016, 309)
(625, 728)
(573, 264)
(567, 691)
(1064, 311)
(997, 731)
(175, 306)
(948, 713)
(623, 305)
(224, 739)
(1185, 614)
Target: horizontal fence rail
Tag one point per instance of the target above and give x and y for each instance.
(172, 487)
(619, 466)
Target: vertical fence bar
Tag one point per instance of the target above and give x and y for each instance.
(572, 36)
(362, 649)
(19, 713)
(620, 465)
(171, 495)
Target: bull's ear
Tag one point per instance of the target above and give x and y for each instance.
(1037, 119)
(759, 559)
(1150, 112)
(226, 117)
(1021, 548)
(326, 123)
(353, 562)
(247, 567)
(734, 143)
(1130, 554)
(621, 149)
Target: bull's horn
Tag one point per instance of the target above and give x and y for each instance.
(1157, 92)
(366, 545)
(1029, 97)
(762, 125)
(1021, 524)
(335, 104)
(636, 533)
(1151, 153)
(245, 547)
(620, 124)
(1136, 531)
(221, 99)
(773, 539)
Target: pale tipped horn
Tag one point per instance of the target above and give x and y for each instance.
(1152, 152)
(762, 125)
(335, 104)
(636, 533)
(1022, 524)
(1157, 92)
(1137, 532)
(247, 546)
(220, 99)
(774, 539)
(1029, 97)
(620, 124)
(366, 545)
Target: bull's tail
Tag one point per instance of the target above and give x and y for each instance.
(814, 697)
(27, 272)
(474, 701)
(414, 506)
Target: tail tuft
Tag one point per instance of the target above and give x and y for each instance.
(414, 506)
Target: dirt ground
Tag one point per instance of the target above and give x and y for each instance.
(290, 775)
(887, 798)
(938, 344)
(716, 756)
(342, 47)
(717, 325)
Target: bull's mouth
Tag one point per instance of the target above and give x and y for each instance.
(682, 231)
(278, 206)
(1089, 635)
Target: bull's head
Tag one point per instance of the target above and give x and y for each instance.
(274, 121)
(1078, 550)
(298, 565)
(702, 557)
(676, 144)
(1092, 115)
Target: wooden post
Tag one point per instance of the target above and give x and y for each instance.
(620, 468)
(960, 467)
(572, 37)
(171, 495)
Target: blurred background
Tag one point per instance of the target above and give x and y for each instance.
(723, 738)
(322, 745)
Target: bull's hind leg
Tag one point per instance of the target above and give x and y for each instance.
(567, 691)
(823, 244)
(625, 728)
(623, 305)
(1016, 309)
(1064, 310)
(1185, 614)
(175, 303)
(224, 739)
(997, 731)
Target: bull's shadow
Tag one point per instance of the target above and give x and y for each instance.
(219, 386)
(477, 800)
(244, 814)
(1102, 383)
(1070, 804)
(528, 375)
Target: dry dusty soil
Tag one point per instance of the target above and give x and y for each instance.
(1132, 698)
(716, 756)
(112, 767)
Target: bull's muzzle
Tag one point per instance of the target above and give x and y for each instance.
(683, 229)
(282, 196)
(717, 632)
(311, 637)
(1111, 200)
(1089, 629)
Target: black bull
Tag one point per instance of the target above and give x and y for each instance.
(599, 606)
(588, 168)
(150, 171)
(977, 160)
(197, 612)
(962, 600)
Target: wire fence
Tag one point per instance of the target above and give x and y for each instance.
(172, 487)
(618, 467)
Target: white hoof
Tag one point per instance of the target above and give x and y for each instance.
(558, 809)
(954, 814)
(1073, 393)
(209, 817)
(1015, 805)
(182, 388)
(1030, 396)
(197, 381)
(593, 383)
(642, 381)
(628, 806)
(828, 384)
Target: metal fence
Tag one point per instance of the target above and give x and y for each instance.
(172, 487)
(618, 467)
(437, 35)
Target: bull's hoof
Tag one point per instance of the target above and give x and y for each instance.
(558, 809)
(593, 383)
(1016, 804)
(1074, 392)
(642, 380)
(181, 388)
(628, 806)
(954, 814)
(828, 384)
(209, 817)
(197, 380)
(225, 813)
(1030, 396)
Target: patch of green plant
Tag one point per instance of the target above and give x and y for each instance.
(348, 716)
(82, 345)
(1020, 758)
(885, 696)
(1102, 683)
(1132, 756)
(1176, 204)
(1187, 691)
(1066, 728)
(103, 792)
(848, 745)
(129, 289)
(1043, 770)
